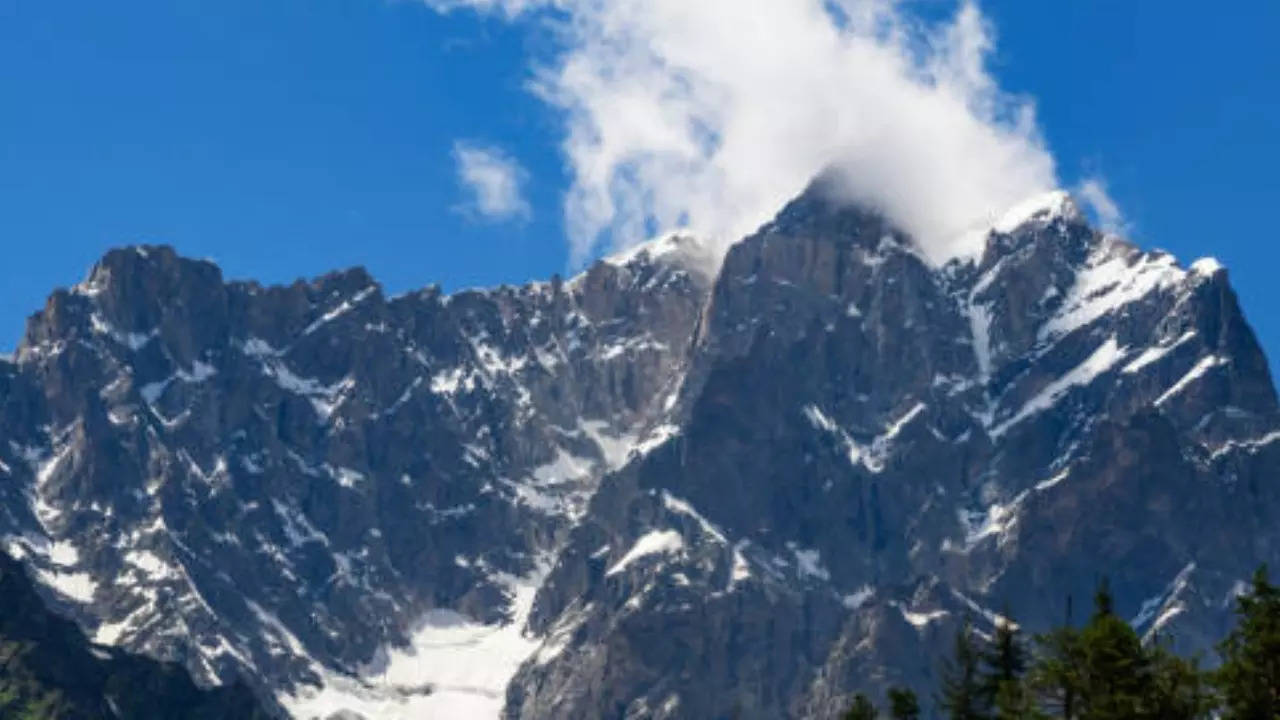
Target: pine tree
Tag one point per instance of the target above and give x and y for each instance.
(961, 693)
(862, 709)
(1054, 680)
(1115, 678)
(1014, 702)
(1178, 689)
(903, 704)
(1004, 663)
(1249, 677)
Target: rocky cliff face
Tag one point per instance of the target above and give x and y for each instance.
(643, 492)
(49, 670)
(871, 448)
(282, 483)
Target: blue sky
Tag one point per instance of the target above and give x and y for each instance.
(285, 138)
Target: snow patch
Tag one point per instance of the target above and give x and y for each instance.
(1046, 484)
(348, 478)
(675, 247)
(1102, 359)
(858, 598)
(1197, 371)
(1164, 606)
(920, 620)
(448, 382)
(452, 667)
(615, 449)
(1250, 445)
(402, 400)
(343, 308)
(200, 372)
(77, 586)
(256, 347)
(151, 565)
(563, 468)
(873, 455)
(135, 341)
(651, 543)
(809, 563)
(630, 346)
(1043, 208)
(1154, 354)
(325, 399)
(656, 438)
(1207, 267)
(1110, 280)
(682, 507)
(980, 329)
(63, 554)
(741, 570)
(997, 519)
(296, 526)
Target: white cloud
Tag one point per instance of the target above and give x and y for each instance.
(1093, 191)
(494, 181)
(711, 114)
(509, 8)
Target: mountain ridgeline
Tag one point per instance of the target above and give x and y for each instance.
(648, 491)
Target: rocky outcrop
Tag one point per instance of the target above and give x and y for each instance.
(48, 669)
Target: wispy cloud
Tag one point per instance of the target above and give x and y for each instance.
(493, 180)
(1093, 191)
(711, 114)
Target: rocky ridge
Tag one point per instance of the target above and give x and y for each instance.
(646, 491)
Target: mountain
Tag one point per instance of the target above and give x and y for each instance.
(285, 483)
(651, 490)
(51, 670)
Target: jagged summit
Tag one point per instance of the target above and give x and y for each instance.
(647, 491)
(679, 247)
(824, 207)
(1041, 208)
(211, 471)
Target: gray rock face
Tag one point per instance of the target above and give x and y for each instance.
(281, 482)
(644, 492)
(871, 448)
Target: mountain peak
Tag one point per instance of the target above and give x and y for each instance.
(1207, 267)
(823, 209)
(1041, 208)
(678, 248)
(119, 268)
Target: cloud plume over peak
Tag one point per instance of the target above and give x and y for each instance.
(710, 115)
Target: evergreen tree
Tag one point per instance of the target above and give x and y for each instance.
(1004, 663)
(1055, 679)
(903, 704)
(1014, 702)
(1115, 679)
(1178, 688)
(862, 709)
(962, 694)
(1103, 671)
(1249, 678)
